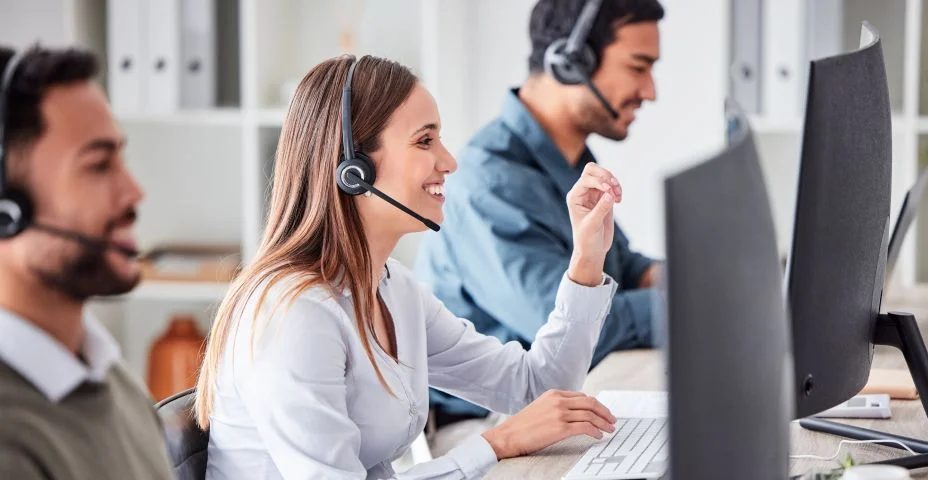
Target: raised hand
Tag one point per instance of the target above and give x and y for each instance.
(590, 203)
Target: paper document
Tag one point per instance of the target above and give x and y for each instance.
(634, 404)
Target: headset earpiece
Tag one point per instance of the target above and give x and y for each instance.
(15, 213)
(361, 166)
(569, 69)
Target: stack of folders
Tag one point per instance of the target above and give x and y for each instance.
(771, 44)
(162, 55)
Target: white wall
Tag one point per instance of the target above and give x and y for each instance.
(22, 23)
(682, 127)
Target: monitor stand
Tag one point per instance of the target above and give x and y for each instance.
(900, 330)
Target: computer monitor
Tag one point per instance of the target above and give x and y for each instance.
(840, 243)
(836, 268)
(730, 373)
(906, 217)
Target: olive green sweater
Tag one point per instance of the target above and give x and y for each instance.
(98, 431)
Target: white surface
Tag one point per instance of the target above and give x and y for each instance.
(211, 292)
(634, 403)
(872, 406)
(876, 472)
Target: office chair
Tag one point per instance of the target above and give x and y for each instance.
(187, 444)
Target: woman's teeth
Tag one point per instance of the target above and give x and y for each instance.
(435, 189)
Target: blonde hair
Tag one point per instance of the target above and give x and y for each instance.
(313, 230)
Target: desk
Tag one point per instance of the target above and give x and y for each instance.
(644, 370)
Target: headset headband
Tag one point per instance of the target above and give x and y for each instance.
(347, 141)
(4, 100)
(582, 28)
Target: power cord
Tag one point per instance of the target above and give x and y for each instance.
(841, 444)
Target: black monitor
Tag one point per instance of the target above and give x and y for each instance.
(906, 217)
(730, 373)
(840, 241)
(837, 263)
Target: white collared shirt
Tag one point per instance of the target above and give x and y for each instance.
(303, 401)
(45, 363)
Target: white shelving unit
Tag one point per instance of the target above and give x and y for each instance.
(206, 172)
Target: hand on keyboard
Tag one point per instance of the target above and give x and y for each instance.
(554, 416)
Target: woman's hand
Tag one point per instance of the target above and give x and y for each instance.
(552, 417)
(590, 203)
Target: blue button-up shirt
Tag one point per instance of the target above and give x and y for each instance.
(506, 242)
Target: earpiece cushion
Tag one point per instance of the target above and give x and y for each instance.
(566, 70)
(15, 213)
(360, 163)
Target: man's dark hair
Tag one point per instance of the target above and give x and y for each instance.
(37, 71)
(554, 19)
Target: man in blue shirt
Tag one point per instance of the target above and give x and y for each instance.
(506, 240)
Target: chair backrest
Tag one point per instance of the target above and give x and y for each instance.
(187, 444)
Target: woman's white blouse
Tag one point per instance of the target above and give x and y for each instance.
(304, 402)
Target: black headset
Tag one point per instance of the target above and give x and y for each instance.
(352, 163)
(355, 174)
(571, 60)
(15, 206)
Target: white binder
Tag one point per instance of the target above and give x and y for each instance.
(745, 72)
(163, 68)
(198, 54)
(783, 57)
(126, 59)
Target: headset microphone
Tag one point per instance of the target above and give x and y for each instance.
(356, 174)
(571, 61)
(354, 177)
(16, 208)
(89, 242)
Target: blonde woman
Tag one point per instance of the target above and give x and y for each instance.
(321, 355)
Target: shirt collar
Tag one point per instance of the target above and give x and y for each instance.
(384, 275)
(524, 126)
(47, 364)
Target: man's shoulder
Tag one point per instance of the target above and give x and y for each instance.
(496, 146)
(496, 161)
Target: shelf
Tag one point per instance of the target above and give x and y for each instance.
(271, 117)
(179, 291)
(222, 117)
(764, 124)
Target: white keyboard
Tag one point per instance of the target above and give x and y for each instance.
(637, 448)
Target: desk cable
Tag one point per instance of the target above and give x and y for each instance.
(841, 444)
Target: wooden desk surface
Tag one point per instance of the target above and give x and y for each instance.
(644, 370)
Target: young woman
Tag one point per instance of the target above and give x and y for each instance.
(321, 355)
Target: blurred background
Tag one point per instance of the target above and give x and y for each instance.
(201, 88)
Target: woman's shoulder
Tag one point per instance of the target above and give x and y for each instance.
(295, 297)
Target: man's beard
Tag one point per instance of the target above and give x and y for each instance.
(597, 120)
(84, 276)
